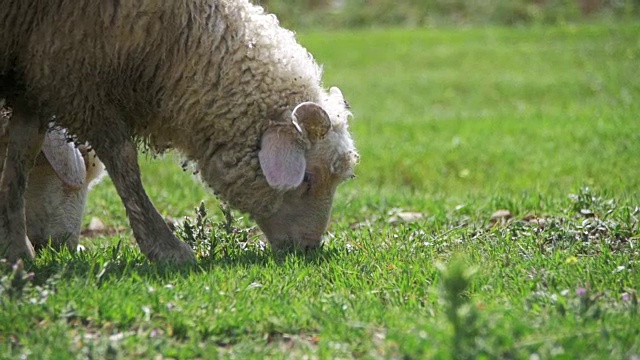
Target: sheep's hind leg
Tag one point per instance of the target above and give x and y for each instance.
(24, 142)
(154, 237)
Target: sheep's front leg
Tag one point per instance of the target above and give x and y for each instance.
(24, 142)
(154, 237)
(4, 144)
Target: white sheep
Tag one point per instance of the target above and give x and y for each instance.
(57, 189)
(218, 80)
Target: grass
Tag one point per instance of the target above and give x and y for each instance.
(452, 125)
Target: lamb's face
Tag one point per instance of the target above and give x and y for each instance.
(306, 160)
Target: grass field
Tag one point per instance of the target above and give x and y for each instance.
(452, 126)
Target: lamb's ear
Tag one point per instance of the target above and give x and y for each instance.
(65, 159)
(282, 159)
(312, 119)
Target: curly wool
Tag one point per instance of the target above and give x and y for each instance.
(205, 77)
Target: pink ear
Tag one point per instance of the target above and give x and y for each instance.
(65, 159)
(282, 159)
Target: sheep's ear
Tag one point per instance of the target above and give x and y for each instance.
(282, 159)
(335, 93)
(95, 168)
(312, 119)
(65, 159)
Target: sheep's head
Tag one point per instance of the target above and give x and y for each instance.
(306, 158)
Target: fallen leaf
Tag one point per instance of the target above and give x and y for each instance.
(534, 220)
(500, 217)
(96, 224)
(97, 227)
(366, 223)
(406, 217)
(587, 213)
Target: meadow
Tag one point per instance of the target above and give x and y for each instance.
(494, 215)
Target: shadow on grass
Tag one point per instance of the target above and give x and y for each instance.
(119, 261)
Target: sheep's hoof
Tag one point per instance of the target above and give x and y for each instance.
(14, 250)
(177, 253)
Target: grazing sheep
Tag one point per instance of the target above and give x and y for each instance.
(57, 188)
(218, 80)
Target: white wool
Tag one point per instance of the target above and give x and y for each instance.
(209, 78)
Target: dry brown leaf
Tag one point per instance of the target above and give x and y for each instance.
(406, 217)
(96, 224)
(500, 217)
(535, 220)
(587, 213)
(97, 227)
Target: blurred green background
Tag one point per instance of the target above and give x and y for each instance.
(330, 14)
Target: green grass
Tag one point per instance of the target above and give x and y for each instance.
(451, 124)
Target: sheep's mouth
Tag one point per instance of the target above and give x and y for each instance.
(293, 245)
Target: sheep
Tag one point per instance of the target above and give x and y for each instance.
(218, 80)
(57, 189)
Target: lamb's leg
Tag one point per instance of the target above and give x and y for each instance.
(24, 142)
(153, 235)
